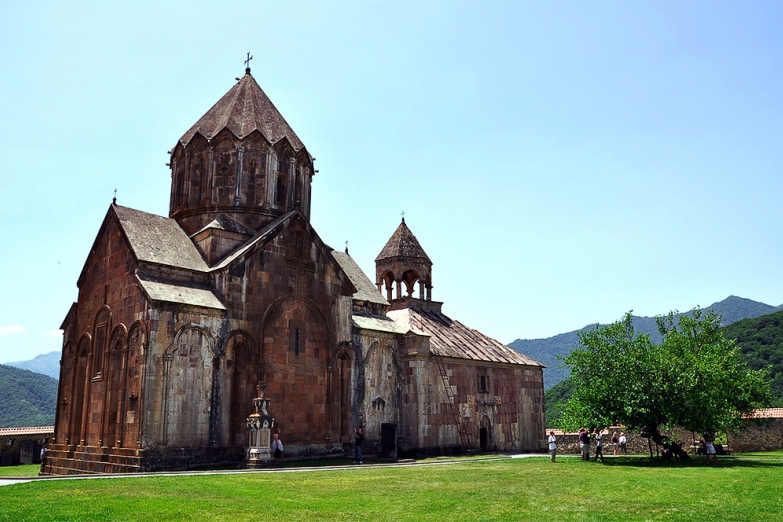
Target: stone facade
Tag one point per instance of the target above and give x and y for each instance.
(180, 320)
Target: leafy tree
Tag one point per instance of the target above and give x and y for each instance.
(694, 378)
(555, 399)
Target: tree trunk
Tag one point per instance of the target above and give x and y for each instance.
(666, 442)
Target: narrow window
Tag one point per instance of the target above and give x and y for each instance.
(296, 342)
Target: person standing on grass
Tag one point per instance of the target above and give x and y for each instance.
(615, 442)
(277, 447)
(552, 445)
(599, 446)
(358, 441)
(709, 448)
(623, 443)
(584, 444)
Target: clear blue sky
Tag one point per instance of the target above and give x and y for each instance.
(561, 163)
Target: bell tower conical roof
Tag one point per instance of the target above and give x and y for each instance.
(241, 159)
(403, 244)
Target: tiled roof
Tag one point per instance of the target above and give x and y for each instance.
(766, 413)
(365, 290)
(160, 240)
(243, 109)
(35, 430)
(379, 324)
(402, 244)
(449, 338)
(177, 293)
(223, 222)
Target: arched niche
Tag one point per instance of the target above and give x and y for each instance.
(343, 384)
(187, 370)
(243, 365)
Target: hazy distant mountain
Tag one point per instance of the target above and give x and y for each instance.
(47, 364)
(731, 309)
(26, 398)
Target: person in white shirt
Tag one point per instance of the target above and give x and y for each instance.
(552, 445)
(599, 445)
(623, 442)
(277, 447)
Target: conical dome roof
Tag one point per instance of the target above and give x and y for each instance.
(244, 109)
(402, 244)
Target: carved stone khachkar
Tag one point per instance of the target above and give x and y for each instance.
(260, 424)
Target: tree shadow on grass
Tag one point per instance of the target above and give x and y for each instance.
(697, 462)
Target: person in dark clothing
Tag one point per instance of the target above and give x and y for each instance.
(584, 444)
(358, 441)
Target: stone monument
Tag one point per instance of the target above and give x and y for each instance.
(260, 424)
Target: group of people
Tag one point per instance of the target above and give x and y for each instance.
(619, 443)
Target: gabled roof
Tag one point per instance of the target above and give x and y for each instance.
(243, 109)
(449, 338)
(365, 290)
(179, 293)
(402, 244)
(269, 233)
(223, 222)
(159, 240)
(266, 234)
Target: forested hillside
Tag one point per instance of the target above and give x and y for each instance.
(26, 398)
(761, 340)
(731, 309)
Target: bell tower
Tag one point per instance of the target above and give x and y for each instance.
(242, 160)
(403, 271)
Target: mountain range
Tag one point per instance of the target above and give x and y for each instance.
(47, 364)
(546, 351)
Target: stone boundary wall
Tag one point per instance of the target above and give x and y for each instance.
(765, 437)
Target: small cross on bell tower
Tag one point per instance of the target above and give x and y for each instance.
(247, 63)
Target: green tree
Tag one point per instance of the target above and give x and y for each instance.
(694, 378)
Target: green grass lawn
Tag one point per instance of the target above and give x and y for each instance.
(25, 470)
(625, 488)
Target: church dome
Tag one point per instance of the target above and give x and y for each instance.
(241, 159)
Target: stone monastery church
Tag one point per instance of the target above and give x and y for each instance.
(182, 321)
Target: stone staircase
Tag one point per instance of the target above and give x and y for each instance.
(62, 459)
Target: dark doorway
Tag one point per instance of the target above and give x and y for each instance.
(388, 440)
(485, 434)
